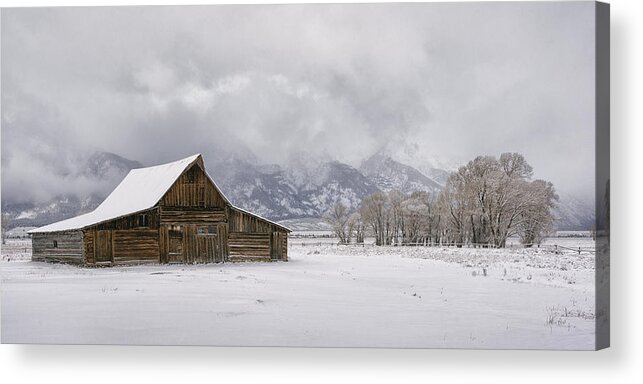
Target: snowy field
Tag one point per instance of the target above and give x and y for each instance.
(326, 295)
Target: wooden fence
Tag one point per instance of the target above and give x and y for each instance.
(554, 248)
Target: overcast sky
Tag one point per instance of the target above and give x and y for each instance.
(427, 82)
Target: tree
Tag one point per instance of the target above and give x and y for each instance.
(490, 199)
(357, 225)
(415, 219)
(374, 212)
(483, 203)
(5, 224)
(338, 218)
(396, 214)
(536, 220)
(454, 202)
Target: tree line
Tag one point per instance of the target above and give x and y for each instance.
(482, 204)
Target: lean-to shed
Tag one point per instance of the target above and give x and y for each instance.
(170, 213)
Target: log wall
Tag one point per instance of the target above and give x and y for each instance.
(249, 246)
(241, 221)
(138, 246)
(175, 215)
(279, 246)
(130, 221)
(88, 242)
(69, 247)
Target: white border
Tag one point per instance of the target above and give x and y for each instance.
(622, 363)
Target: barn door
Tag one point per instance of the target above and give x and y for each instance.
(221, 255)
(103, 246)
(207, 248)
(213, 248)
(175, 245)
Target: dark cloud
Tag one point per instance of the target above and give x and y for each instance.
(430, 82)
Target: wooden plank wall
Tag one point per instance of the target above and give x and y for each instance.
(279, 246)
(222, 235)
(137, 246)
(284, 247)
(129, 246)
(249, 246)
(240, 221)
(174, 215)
(207, 248)
(131, 221)
(163, 244)
(103, 246)
(69, 249)
(193, 189)
(88, 250)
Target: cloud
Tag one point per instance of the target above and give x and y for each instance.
(445, 81)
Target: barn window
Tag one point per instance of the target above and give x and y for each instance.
(201, 230)
(212, 230)
(143, 220)
(55, 243)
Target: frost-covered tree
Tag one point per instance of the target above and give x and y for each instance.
(396, 214)
(338, 218)
(536, 220)
(483, 203)
(375, 213)
(5, 225)
(357, 227)
(454, 204)
(415, 226)
(490, 199)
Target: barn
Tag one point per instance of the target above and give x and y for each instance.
(169, 213)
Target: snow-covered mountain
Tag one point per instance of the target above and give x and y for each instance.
(573, 214)
(414, 155)
(102, 165)
(388, 174)
(263, 190)
(101, 168)
(297, 191)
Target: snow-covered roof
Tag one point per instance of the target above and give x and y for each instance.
(139, 191)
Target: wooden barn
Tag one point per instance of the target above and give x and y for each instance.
(170, 213)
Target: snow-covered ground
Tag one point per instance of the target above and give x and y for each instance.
(326, 295)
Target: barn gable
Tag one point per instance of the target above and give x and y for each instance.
(194, 188)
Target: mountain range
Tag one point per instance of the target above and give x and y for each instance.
(301, 191)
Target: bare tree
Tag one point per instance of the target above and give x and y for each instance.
(415, 226)
(396, 214)
(357, 225)
(375, 213)
(338, 218)
(536, 220)
(454, 202)
(483, 203)
(5, 224)
(489, 199)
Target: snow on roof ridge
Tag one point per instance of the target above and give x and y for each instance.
(140, 190)
(189, 159)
